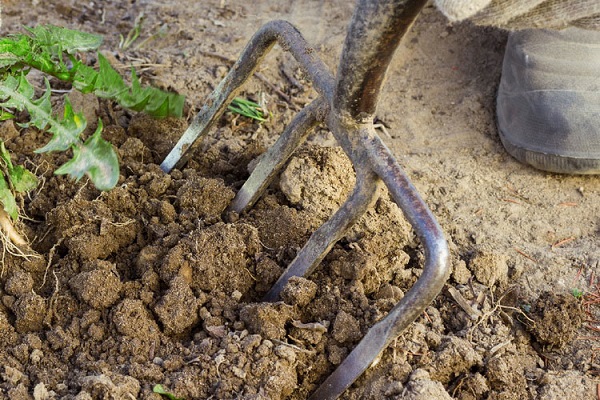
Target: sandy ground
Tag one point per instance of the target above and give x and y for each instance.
(149, 285)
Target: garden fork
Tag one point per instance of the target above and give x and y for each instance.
(347, 106)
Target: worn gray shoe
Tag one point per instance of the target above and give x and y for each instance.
(549, 100)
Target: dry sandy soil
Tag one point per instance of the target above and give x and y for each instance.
(148, 284)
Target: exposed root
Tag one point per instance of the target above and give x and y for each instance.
(9, 229)
(12, 241)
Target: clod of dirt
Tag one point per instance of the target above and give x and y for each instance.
(346, 328)
(177, 309)
(109, 386)
(19, 283)
(267, 319)
(421, 386)
(475, 387)
(507, 378)
(134, 151)
(29, 310)
(132, 318)
(266, 273)
(90, 230)
(219, 258)
(9, 335)
(566, 385)
(203, 198)
(160, 135)
(557, 318)
(299, 291)
(490, 268)
(282, 227)
(460, 272)
(318, 180)
(100, 288)
(455, 356)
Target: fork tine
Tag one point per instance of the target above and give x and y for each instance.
(268, 167)
(322, 240)
(257, 48)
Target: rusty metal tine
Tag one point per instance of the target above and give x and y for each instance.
(289, 39)
(322, 240)
(429, 284)
(374, 33)
(270, 164)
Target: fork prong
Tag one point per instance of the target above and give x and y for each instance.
(414, 302)
(259, 45)
(270, 164)
(322, 240)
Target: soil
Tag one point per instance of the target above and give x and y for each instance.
(150, 284)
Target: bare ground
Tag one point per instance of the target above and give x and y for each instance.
(148, 284)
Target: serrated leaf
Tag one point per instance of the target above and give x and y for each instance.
(95, 158)
(8, 199)
(70, 41)
(18, 94)
(109, 83)
(5, 155)
(65, 132)
(85, 78)
(20, 178)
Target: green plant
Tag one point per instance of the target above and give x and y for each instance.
(14, 180)
(162, 391)
(577, 293)
(133, 34)
(54, 51)
(248, 108)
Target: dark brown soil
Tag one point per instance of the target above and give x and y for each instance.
(151, 283)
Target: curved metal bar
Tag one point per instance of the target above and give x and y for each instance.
(323, 239)
(268, 167)
(289, 39)
(429, 284)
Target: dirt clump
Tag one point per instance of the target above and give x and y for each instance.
(156, 282)
(556, 319)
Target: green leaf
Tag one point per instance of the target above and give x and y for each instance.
(5, 115)
(66, 132)
(247, 108)
(8, 199)
(95, 158)
(109, 83)
(69, 40)
(162, 391)
(18, 93)
(5, 155)
(22, 179)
